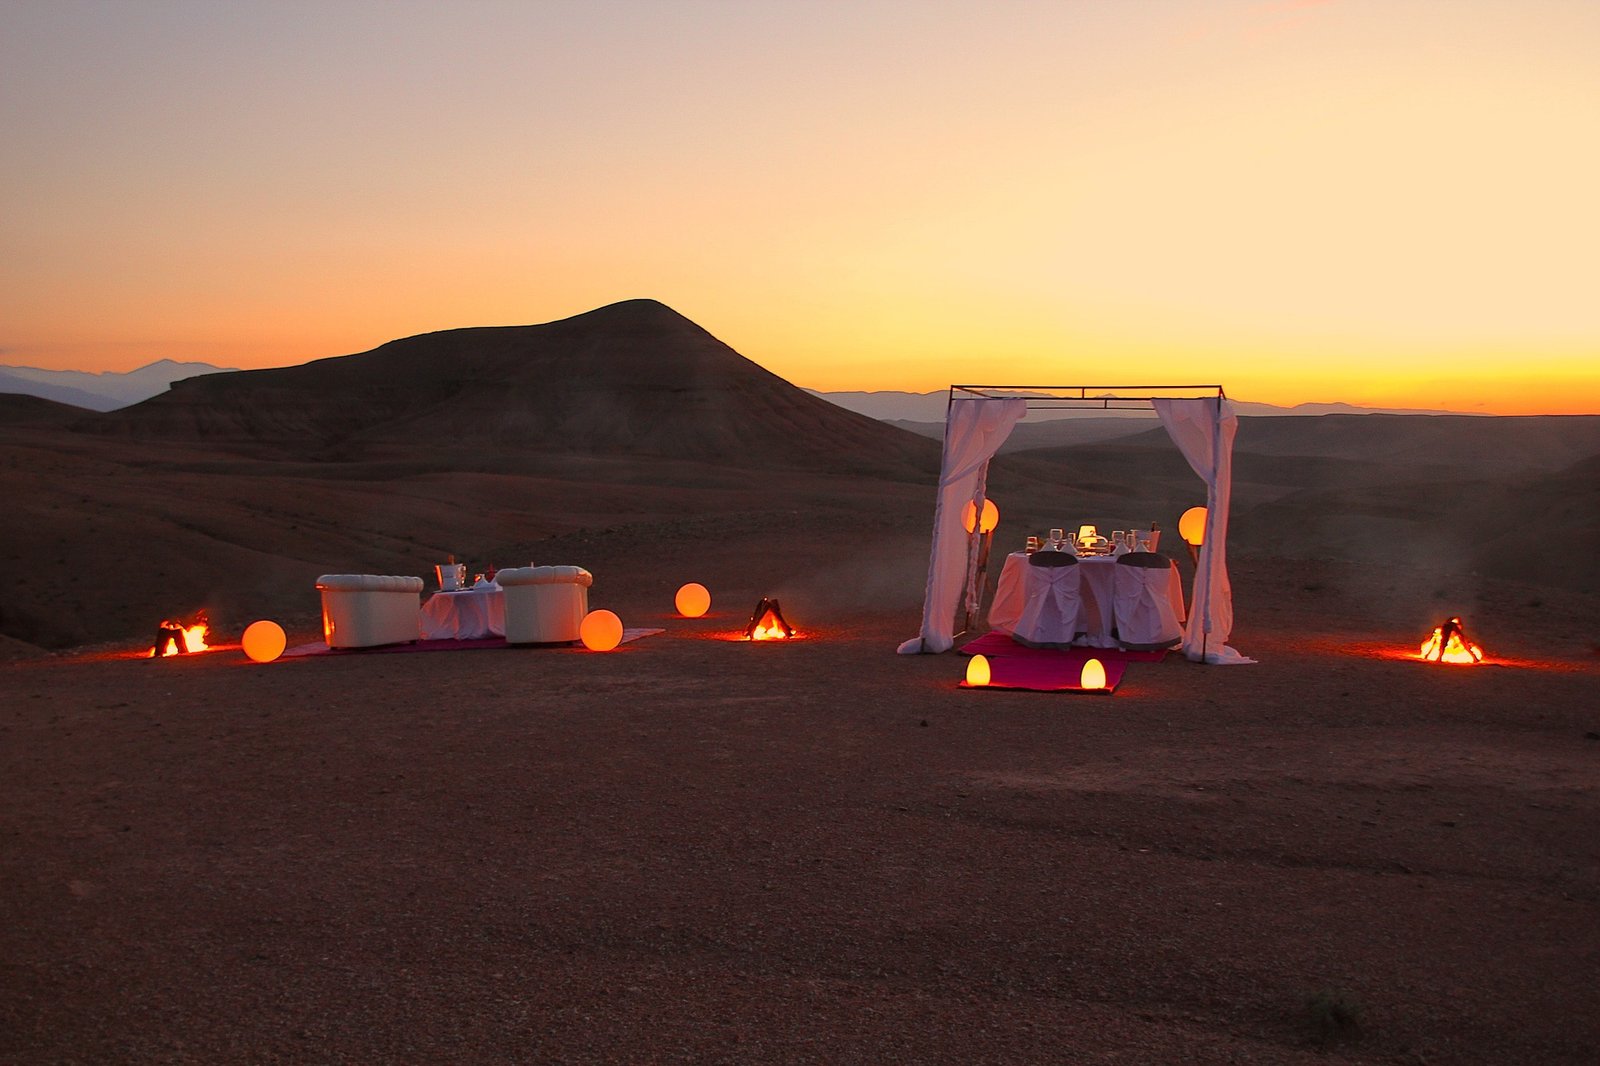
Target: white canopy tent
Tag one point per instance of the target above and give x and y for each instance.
(979, 418)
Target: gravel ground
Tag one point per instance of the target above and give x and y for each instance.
(694, 849)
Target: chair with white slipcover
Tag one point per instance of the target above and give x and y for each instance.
(1141, 606)
(1052, 614)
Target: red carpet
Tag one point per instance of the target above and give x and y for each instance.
(1049, 671)
(1017, 666)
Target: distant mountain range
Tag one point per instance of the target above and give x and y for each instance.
(105, 391)
(110, 391)
(929, 407)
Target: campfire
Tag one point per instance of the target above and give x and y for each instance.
(1449, 644)
(767, 622)
(175, 638)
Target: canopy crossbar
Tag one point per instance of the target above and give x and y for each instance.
(1088, 397)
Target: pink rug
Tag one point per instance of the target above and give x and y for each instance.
(1049, 671)
(317, 647)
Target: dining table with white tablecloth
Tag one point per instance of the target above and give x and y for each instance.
(465, 614)
(1098, 619)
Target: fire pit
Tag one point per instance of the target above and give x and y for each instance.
(767, 622)
(1449, 644)
(175, 638)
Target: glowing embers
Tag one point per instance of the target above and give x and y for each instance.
(1449, 644)
(175, 638)
(767, 622)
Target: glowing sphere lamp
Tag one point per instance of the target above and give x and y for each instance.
(693, 600)
(1192, 526)
(263, 641)
(986, 522)
(1093, 676)
(600, 630)
(978, 673)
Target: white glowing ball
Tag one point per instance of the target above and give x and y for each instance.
(978, 673)
(987, 523)
(600, 630)
(264, 641)
(1093, 676)
(693, 600)
(1192, 526)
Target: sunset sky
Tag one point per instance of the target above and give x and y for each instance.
(1385, 202)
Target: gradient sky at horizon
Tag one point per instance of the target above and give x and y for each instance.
(1382, 202)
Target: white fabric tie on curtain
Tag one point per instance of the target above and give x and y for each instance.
(974, 429)
(1203, 430)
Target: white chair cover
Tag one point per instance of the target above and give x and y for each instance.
(1143, 611)
(1052, 616)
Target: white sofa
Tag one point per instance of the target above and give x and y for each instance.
(365, 610)
(545, 604)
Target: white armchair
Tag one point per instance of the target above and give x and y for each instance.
(365, 610)
(545, 604)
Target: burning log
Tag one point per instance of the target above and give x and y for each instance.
(175, 638)
(1449, 644)
(767, 622)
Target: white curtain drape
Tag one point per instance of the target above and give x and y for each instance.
(1203, 430)
(974, 430)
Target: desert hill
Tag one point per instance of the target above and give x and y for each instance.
(1497, 445)
(1431, 500)
(628, 437)
(628, 429)
(26, 409)
(1054, 432)
(633, 378)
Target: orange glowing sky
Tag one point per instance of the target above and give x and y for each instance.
(1385, 202)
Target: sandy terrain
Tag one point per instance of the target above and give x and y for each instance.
(697, 849)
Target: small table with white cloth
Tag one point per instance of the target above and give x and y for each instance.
(1099, 571)
(465, 614)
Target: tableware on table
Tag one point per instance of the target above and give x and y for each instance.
(1033, 545)
(1154, 537)
(451, 576)
(1055, 540)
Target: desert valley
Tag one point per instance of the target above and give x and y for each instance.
(696, 848)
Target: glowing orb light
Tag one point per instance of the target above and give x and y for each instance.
(978, 671)
(693, 600)
(986, 524)
(1093, 676)
(1192, 526)
(264, 641)
(600, 630)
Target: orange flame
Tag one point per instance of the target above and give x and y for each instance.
(769, 629)
(194, 638)
(1451, 649)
